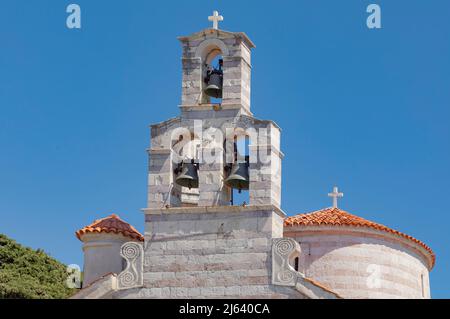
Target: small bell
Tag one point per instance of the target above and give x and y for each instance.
(187, 174)
(239, 175)
(214, 82)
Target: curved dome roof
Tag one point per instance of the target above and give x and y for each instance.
(111, 224)
(337, 217)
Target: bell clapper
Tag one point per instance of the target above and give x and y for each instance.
(231, 197)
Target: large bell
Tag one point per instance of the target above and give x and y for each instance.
(214, 84)
(187, 175)
(238, 177)
(214, 81)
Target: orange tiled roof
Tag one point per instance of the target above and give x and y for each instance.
(336, 217)
(111, 224)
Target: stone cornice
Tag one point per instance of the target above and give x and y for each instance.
(162, 151)
(219, 33)
(274, 149)
(214, 209)
(215, 107)
(166, 122)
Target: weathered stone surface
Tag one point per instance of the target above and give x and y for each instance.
(103, 288)
(359, 263)
(219, 253)
(236, 66)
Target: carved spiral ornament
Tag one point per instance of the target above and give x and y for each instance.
(286, 276)
(130, 250)
(284, 247)
(127, 278)
(282, 272)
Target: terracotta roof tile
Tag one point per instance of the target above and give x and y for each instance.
(336, 217)
(111, 224)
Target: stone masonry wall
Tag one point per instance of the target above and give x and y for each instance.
(362, 265)
(225, 253)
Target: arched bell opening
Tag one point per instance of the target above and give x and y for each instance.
(212, 84)
(236, 170)
(185, 152)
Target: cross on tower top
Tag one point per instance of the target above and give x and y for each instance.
(215, 18)
(335, 194)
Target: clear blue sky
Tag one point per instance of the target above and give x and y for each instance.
(367, 110)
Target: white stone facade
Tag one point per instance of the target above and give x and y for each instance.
(211, 252)
(102, 255)
(363, 263)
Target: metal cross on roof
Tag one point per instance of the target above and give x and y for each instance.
(215, 18)
(335, 195)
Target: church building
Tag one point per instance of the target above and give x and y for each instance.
(198, 243)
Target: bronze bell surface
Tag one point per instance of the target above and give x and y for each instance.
(239, 176)
(187, 174)
(214, 82)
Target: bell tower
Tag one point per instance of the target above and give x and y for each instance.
(199, 51)
(193, 227)
(193, 158)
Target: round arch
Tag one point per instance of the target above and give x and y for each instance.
(210, 48)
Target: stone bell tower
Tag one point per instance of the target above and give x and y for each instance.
(199, 50)
(197, 243)
(205, 126)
